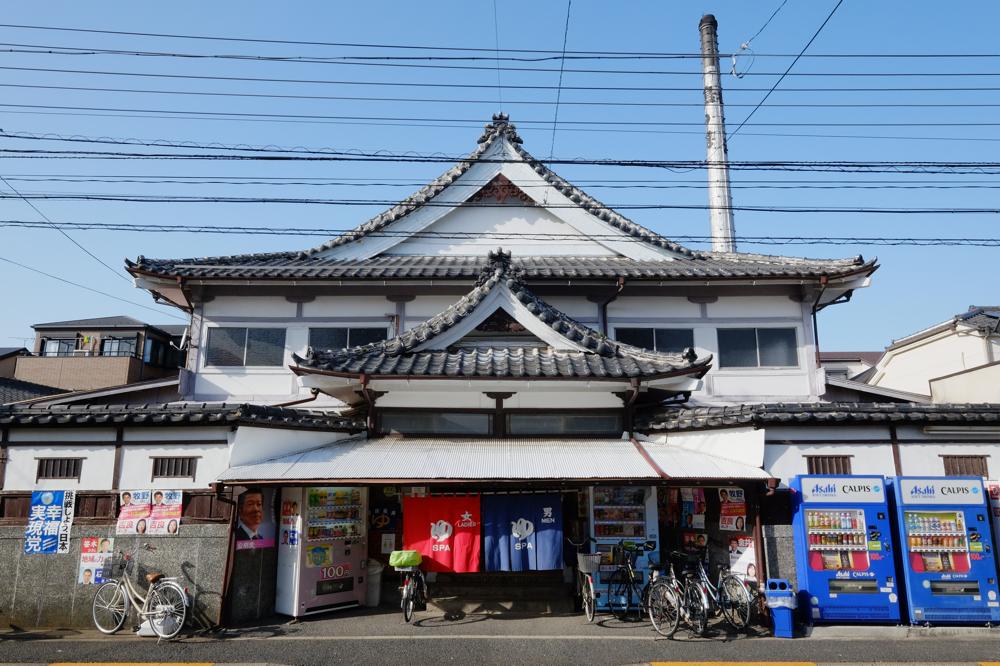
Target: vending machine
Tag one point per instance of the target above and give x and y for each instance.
(617, 513)
(843, 549)
(947, 549)
(322, 549)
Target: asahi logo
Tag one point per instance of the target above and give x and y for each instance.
(824, 489)
(923, 491)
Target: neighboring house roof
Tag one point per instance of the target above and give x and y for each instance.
(876, 391)
(686, 263)
(701, 418)
(586, 354)
(173, 330)
(869, 357)
(119, 321)
(12, 351)
(981, 316)
(122, 390)
(15, 390)
(204, 414)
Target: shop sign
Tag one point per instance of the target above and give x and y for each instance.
(523, 532)
(863, 489)
(445, 530)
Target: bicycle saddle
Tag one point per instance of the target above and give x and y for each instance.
(153, 577)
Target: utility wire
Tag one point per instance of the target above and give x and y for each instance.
(496, 38)
(91, 289)
(562, 63)
(782, 77)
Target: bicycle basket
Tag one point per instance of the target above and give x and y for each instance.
(405, 558)
(588, 562)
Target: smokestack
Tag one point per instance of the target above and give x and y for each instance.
(720, 201)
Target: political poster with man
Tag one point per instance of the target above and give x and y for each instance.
(445, 530)
(732, 510)
(255, 519)
(165, 512)
(96, 556)
(133, 516)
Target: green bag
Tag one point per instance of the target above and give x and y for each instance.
(405, 558)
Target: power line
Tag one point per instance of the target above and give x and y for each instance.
(91, 289)
(387, 233)
(790, 66)
(481, 49)
(555, 116)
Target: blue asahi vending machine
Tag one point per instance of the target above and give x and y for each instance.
(947, 549)
(843, 549)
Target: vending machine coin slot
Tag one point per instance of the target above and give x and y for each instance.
(953, 588)
(853, 587)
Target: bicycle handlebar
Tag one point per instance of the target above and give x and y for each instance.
(587, 540)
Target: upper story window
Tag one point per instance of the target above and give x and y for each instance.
(343, 337)
(667, 340)
(238, 346)
(118, 346)
(567, 423)
(828, 464)
(965, 466)
(59, 468)
(757, 348)
(161, 354)
(434, 422)
(58, 346)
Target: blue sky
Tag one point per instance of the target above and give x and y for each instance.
(914, 288)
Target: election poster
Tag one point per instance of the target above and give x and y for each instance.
(732, 510)
(522, 532)
(693, 508)
(694, 541)
(96, 555)
(165, 512)
(49, 522)
(445, 530)
(133, 516)
(743, 558)
(255, 518)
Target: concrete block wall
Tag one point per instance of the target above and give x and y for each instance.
(41, 590)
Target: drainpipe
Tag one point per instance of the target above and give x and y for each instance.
(367, 394)
(630, 407)
(315, 394)
(602, 305)
(823, 280)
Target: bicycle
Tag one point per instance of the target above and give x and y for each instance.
(164, 604)
(664, 603)
(587, 564)
(691, 593)
(730, 595)
(624, 584)
(414, 587)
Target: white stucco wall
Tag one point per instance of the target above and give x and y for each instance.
(911, 367)
(980, 384)
(137, 464)
(95, 471)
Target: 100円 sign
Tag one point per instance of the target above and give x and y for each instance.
(49, 522)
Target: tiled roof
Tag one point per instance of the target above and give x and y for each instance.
(981, 316)
(15, 390)
(308, 265)
(602, 358)
(699, 418)
(177, 414)
(291, 265)
(12, 351)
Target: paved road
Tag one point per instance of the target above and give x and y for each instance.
(372, 637)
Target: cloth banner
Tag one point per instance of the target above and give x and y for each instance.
(523, 532)
(445, 530)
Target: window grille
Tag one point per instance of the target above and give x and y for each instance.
(965, 466)
(828, 464)
(59, 468)
(174, 468)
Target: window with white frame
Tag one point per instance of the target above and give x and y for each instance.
(230, 346)
(58, 346)
(341, 337)
(758, 348)
(118, 346)
(666, 340)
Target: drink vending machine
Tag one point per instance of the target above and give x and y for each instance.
(617, 513)
(843, 548)
(947, 544)
(322, 549)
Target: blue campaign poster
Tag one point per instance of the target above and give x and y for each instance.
(522, 532)
(49, 522)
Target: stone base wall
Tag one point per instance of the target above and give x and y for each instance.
(41, 590)
(252, 585)
(779, 552)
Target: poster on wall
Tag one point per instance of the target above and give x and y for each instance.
(694, 541)
(165, 512)
(743, 557)
(133, 517)
(445, 530)
(693, 508)
(289, 524)
(732, 510)
(49, 522)
(96, 555)
(255, 519)
(993, 492)
(522, 532)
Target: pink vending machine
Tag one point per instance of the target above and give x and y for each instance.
(322, 549)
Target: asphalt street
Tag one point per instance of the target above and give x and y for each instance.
(379, 637)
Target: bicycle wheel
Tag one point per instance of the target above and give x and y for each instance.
(697, 609)
(664, 609)
(168, 603)
(620, 591)
(409, 598)
(110, 607)
(734, 599)
(587, 597)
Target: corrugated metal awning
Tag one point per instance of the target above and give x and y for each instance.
(395, 459)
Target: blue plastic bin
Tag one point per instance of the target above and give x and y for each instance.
(781, 601)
